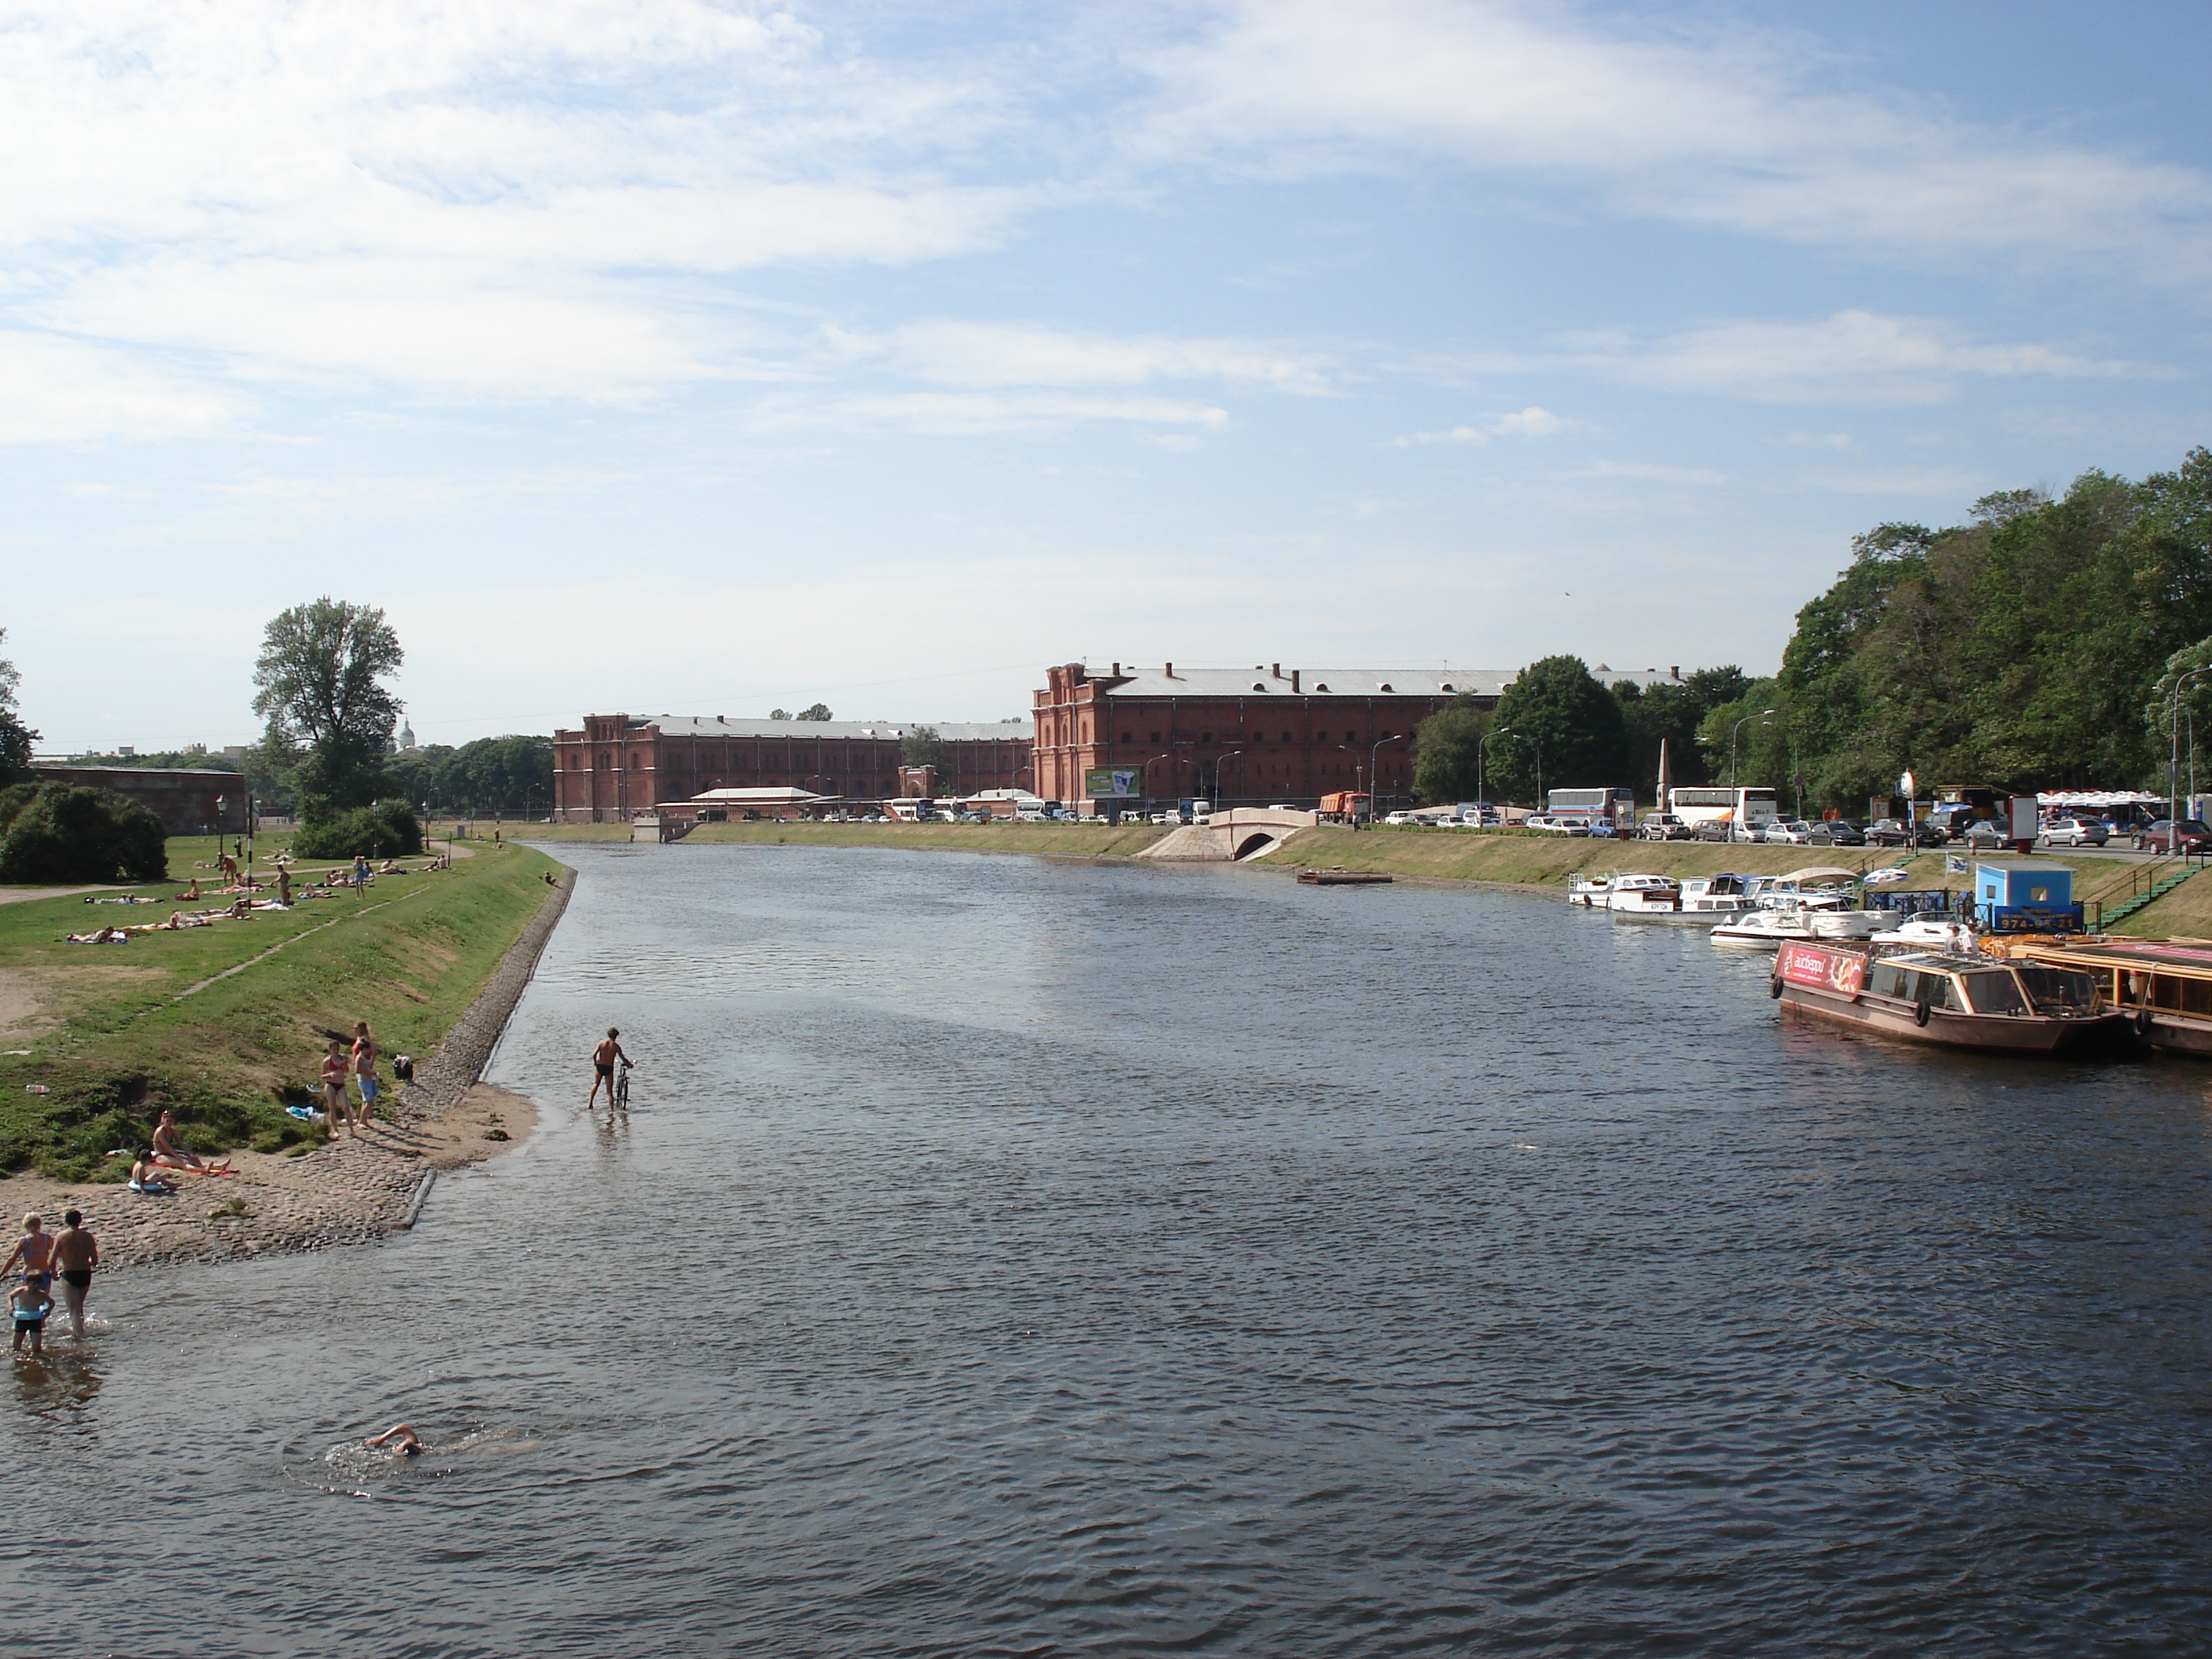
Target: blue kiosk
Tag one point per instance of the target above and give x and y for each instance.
(2026, 897)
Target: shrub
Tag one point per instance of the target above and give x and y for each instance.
(387, 829)
(66, 832)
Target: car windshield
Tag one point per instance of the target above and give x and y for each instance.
(2193, 827)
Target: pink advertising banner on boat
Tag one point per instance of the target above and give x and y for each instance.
(1843, 972)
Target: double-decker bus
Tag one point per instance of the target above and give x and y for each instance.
(1710, 805)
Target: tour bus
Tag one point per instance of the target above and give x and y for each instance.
(1594, 807)
(1711, 804)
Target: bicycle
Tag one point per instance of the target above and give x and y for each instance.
(620, 1094)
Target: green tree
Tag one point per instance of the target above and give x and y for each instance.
(1446, 761)
(1566, 733)
(16, 737)
(779, 713)
(59, 831)
(1672, 712)
(2177, 726)
(819, 711)
(320, 674)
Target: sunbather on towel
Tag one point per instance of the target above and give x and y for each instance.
(101, 936)
(167, 1152)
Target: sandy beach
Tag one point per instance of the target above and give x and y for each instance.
(356, 1189)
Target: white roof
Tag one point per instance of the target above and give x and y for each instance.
(778, 797)
(1336, 682)
(714, 725)
(2096, 797)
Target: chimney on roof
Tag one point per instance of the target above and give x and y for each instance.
(1117, 670)
(1675, 672)
(1294, 679)
(1276, 670)
(1168, 671)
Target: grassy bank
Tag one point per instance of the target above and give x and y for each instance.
(1069, 840)
(115, 1032)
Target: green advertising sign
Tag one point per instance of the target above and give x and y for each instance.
(1109, 783)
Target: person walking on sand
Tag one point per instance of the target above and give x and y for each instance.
(30, 1304)
(34, 1250)
(335, 1103)
(77, 1253)
(364, 1069)
(603, 1067)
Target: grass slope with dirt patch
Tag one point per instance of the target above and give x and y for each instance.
(118, 1031)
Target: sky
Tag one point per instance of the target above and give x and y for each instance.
(677, 357)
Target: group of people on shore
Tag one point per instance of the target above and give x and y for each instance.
(358, 1063)
(72, 1254)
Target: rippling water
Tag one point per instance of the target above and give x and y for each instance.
(1010, 1258)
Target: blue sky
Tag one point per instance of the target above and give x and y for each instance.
(696, 358)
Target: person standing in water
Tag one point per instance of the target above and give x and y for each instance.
(29, 1303)
(75, 1254)
(603, 1067)
(34, 1250)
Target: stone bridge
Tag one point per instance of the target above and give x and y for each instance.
(1242, 832)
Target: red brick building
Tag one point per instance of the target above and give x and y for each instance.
(618, 765)
(1244, 738)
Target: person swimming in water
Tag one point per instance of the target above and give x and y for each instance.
(399, 1439)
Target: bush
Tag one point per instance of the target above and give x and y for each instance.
(387, 829)
(66, 832)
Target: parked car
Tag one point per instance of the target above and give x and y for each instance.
(1723, 830)
(1985, 834)
(1664, 826)
(1401, 818)
(1556, 826)
(1895, 832)
(1835, 832)
(2189, 835)
(2074, 832)
(1791, 832)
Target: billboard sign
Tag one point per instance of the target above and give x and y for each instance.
(1109, 783)
(1840, 971)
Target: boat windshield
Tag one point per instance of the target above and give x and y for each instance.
(2053, 988)
(1994, 993)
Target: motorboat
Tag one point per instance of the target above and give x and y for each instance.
(1960, 1001)
(1336, 876)
(1633, 895)
(1717, 898)
(1841, 924)
(1588, 891)
(1766, 929)
(1928, 933)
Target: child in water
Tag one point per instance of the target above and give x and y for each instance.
(30, 1304)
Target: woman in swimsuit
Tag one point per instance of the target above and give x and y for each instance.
(167, 1151)
(34, 1250)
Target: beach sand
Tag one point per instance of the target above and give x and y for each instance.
(344, 1192)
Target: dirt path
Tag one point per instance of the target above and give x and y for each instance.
(23, 895)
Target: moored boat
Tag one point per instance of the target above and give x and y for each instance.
(1632, 896)
(1961, 1002)
(1589, 891)
(1335, 876)
(1765, 929)
(2163, 987)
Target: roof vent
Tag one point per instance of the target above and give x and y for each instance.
(1446, 686)
(1385, 686)
(1276, 671)
(1167, 672)
(1319, 686)
(1294, 679)
(1256, 686)
(1117, 669)
(721, 720)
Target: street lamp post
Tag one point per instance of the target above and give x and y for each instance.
(1145, 772)
(1219, 762)
(1375, 775)
(2174, 766)
(1733, 730)
(1481, 766)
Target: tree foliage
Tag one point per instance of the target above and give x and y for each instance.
(68, 832)
(1566, 730)
(386, 829)
(1447, 752)
(505, 775)
(819, 711)
(1672, 712)
(320, 673)
(16, 737)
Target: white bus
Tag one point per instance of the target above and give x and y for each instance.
(1718, 805)
(1614, 806)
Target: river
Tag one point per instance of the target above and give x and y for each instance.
(1010, 1257)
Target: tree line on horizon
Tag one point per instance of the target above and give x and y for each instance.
(2037, 647)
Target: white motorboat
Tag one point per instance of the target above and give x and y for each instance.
(1718, 899)
(1841, 924)
(1588, 891)
(1632, 896)
(1926, 934)
(1765, 929)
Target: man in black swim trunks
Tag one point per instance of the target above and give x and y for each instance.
(603, 1068)
(75, 1254)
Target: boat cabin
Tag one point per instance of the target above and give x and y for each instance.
(1977, 985)
(2165, 984)
(2025, 897)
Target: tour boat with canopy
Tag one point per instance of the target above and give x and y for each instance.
(1963, 1002)
(2163, 987)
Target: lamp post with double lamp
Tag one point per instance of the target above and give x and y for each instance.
(1733, 730)
(1375, 775)
(1482, 770)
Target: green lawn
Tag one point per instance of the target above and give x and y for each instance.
(117, 1031)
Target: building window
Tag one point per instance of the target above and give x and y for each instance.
(1206, 737)
(1155, 737)
(1287, 738)
(1126, 738)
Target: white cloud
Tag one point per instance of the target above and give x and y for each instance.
(996, 354)
(56, 390)
(1529, 423)
(957, 413)
(1732, 131)
(1652, 470)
